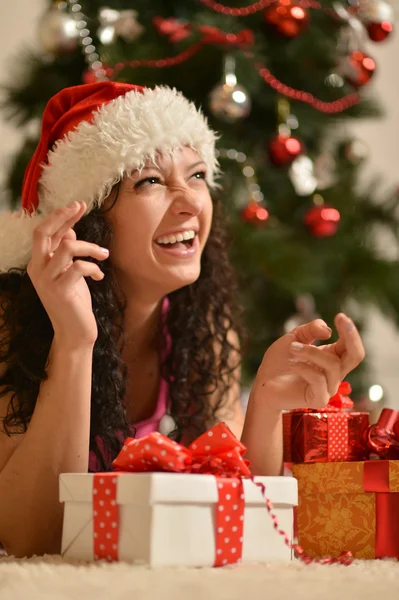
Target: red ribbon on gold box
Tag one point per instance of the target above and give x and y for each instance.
(349, 506)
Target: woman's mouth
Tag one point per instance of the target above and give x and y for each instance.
(183, 244)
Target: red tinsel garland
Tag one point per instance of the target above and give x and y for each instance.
(332, 107)
(256, 7)
(176, 30)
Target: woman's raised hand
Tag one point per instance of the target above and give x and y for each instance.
(58, 275)
(296, 374)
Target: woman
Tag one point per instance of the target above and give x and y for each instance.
(118, 313)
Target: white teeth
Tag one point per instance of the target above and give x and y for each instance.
(179, 237)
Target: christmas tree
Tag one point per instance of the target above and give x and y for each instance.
(276, 78)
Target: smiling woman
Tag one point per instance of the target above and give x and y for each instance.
(161, 203)
(118, 306)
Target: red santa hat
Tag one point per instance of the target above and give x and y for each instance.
(91, 136)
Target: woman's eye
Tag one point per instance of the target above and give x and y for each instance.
(150, 180)
(200, 175)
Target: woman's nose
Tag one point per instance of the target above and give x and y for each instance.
(187, 201)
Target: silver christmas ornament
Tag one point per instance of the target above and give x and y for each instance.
(301, 173)
(230, 101)
(114, 23)
(58, 32)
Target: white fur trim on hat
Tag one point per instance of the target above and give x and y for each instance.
(16, 233)
(88, 161)
(124, 133)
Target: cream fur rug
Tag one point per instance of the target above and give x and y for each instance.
(53, 578)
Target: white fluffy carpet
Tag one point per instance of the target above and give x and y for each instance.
(53, 578)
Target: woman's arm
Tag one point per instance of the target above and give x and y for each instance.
(56, 441)
(263, 436)
(260, 430)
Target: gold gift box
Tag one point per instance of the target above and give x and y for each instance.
(348, 506)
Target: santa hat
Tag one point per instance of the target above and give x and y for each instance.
(91, 136)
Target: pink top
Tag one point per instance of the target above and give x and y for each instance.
(150, 425)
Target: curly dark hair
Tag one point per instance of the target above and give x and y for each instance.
(199, 364)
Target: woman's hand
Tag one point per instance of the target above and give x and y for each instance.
(59, 279)
(295, 374)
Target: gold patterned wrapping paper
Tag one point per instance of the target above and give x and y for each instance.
(348, 506)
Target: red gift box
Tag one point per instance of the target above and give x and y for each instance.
(330, 434)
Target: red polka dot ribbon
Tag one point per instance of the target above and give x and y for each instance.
(229, 521)
(338, 429)
(216, 452)
(105, 517)
(338, 437)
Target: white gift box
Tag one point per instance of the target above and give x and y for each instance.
(168, 519)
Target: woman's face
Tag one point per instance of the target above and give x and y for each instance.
(161, 222)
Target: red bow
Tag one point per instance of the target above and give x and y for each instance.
(382, 438)
(341, 399)
(216, 452)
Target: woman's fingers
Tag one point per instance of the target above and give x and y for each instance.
(349, 347)
(47, 236)
(68, 249)
(67, 226)
(308, 333)
(79, 269)
(316, 390)
(329, 364)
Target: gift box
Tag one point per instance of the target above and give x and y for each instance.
(326, 435)
(171, 519)
(349, 506)
(167, 505)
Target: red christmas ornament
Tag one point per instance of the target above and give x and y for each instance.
(255, 214)
(359, 68)
(284, 149)
(378, 32)
(377, 16)
(287, 17)
(322, 221)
